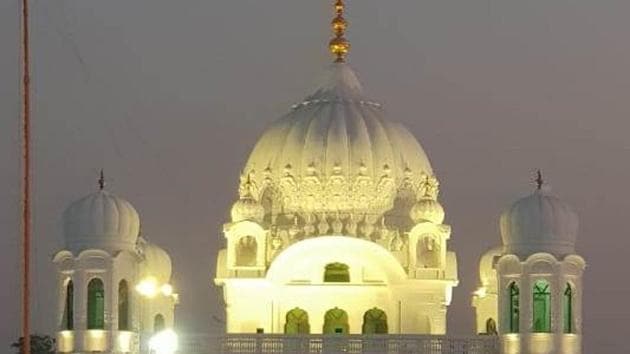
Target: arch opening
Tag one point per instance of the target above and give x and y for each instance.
(297, 322)
(514, 310)
(68, 310)
(568, 309)
(123, 306)
(246, 251)
(158, 323)
(428, 252)
(337, 273)
(541, 320)
(96, 304)
(491, 327)
(336, 321)
(375, 322)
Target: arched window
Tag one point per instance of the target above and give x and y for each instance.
(246, 251)
(297, 322)
(541, 306)
(68, 310)
(514, 307)
(158, 323)
(428, 252)
(336, 321)
(337, 273)
(568, 309)
(375, 322)
(96, 304)
(491, 327)
(123, 306)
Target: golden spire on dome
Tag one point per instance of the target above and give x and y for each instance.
(339, 45)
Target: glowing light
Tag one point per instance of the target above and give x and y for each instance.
(96, 334)
(164, 342)
(166, 290)
(148, 287)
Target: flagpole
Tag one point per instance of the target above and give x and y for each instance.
(26, 181)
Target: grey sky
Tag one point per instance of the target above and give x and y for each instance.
(169, 97)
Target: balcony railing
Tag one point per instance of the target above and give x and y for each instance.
(338, 344)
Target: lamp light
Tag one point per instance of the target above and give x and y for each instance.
(164, 342)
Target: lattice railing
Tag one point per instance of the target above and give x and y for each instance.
(338, 344)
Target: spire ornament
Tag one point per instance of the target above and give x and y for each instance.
(101, 181)
(539, 180)
(339, 45)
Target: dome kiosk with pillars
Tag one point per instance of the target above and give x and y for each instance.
(112, 284)
(533, 286)
(337, 227)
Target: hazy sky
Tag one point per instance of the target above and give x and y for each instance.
(170, 96)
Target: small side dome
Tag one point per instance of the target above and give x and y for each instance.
(101, 220)
(427, 209)
(157, 263)
(539, 222)
(247, 208)
(487, 266)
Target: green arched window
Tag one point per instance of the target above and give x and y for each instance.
(68, 311)
(123, 306)
(337, 273)
(336, 322)
(96, 304)
(375, 322)
(514, 307)
(542, 306)
(297, 322)
(158, 323)
(568, 309)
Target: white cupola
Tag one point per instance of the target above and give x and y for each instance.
(539, 222)
(427, 209)
(157, 263)
(101, 220)
(246, 207)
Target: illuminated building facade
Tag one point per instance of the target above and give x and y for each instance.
(338, 230)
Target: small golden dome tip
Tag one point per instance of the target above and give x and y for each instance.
(339, 45)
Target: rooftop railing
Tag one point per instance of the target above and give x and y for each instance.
(338, 344)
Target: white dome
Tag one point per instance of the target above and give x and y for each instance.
(539, 223)
(427, 209)
(157, 262)
(247, 208)
(101, 221)
(336, 152)
(487, 267)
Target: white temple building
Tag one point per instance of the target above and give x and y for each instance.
(336, 243)
(338, 227)
(338, 230)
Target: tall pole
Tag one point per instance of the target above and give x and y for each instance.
(26, 182)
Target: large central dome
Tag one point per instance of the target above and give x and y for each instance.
(335, 152)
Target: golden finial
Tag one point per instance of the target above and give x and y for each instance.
(339, 45)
